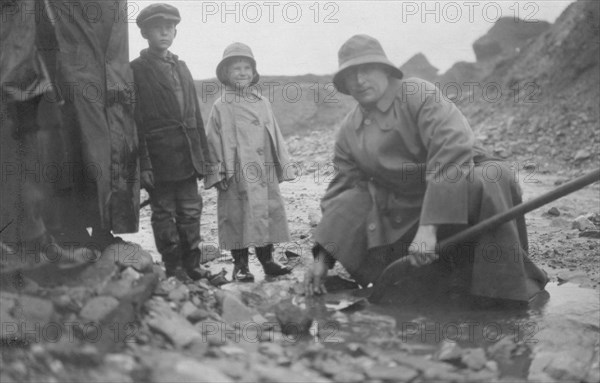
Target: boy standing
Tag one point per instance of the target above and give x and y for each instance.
(172, 143)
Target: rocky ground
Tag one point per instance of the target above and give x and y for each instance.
(119, 320)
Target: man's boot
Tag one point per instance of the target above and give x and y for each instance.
(241, 271)
(271, 268)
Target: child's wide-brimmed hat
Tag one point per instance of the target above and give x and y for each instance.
(236, 50)
(358, 50)
(158, 11)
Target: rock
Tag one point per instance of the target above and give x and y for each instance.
(474, 358)
(129, 254)
(167, 322)
(106, 374)
(273, 374)
(187, 308)
(98, 308)
(348, 376)
(198, 315)
(582, 223)
(177, 368)
(581, 155)
(272, 350)
(569, 365)
(232, 309)
(553, 211)
(159, 271)
(396, 373)
(5, 378)
(121, 362)
(213, 332)
(565, 341)
(590, 234)
(7, 302)
(419, 66)
(449, 352)
(179, 294)
(198, 348)
(165, 287)
(69, 351)
(27, 317)
(292, 319)
(96, 275)
(572, 276)
(503, 349)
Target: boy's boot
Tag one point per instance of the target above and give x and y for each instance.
(167, 244)
(241, 271)
(173, 267)
(271, 268)
(189, 240)
(191, 264)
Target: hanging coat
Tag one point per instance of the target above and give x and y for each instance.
(411, 160)
(246, 147)
(95, 82)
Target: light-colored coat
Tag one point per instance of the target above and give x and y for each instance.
(246, 147)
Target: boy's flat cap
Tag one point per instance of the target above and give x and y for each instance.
(155, 11)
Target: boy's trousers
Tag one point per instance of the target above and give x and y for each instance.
(176, 208)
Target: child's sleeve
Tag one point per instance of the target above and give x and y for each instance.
(215, 171)
(286, 169)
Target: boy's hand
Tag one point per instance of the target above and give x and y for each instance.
(223, 185)
(147, 179)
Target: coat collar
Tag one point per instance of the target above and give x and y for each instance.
(148, 54)
(252, 92)
(384, 103)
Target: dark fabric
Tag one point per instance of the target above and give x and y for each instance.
(264, 253)
(176, 208)
(499, 260)
(95, 83)
(172, 145)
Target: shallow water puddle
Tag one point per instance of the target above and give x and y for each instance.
(556, 337)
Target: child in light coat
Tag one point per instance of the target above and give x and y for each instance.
(249, 159)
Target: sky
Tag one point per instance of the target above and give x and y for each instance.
(300, 37)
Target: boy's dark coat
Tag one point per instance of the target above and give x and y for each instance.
(172, 145)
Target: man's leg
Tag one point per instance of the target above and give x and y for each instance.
(501, 267)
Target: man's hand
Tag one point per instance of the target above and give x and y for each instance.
(147, 179)
(223, 185)
(314, 278)
(422, 250)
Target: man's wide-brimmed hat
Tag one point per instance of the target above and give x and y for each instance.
(236, 50)
(158, 11)
(358, 50)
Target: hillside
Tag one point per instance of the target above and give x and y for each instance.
(536, 98)
(301, 103)
(548, 110)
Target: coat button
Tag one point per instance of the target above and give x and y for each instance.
(367, 122)
(259, 151)
(371, 226)
(398, 219)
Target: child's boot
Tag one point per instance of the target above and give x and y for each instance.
(271, 268)
(241, 271)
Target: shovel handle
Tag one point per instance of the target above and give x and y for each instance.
(388, 275)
